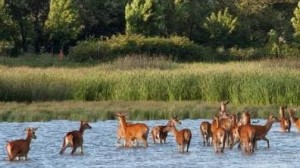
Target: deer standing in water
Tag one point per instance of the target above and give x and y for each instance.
(121, 134)
(261, 131)
(245, 134)
(160, 135)
(223, 109)
(295, 121)
(285, 123)
(20, 148)
(74, 138)
(205, 129)
(218, 135)
(182, 137)
(137, 131)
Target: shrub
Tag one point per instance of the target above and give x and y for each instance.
(177, 48)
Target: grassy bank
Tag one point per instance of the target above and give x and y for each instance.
(258, 82)
(105, 110)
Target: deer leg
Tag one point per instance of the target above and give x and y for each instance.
(73, 150)
(63, 148)
(153, 136)
(145, 142)
(265, 139)
(81, 147)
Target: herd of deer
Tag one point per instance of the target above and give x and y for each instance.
(226, 129)
(229, 129)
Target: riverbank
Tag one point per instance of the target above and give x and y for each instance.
(105, 110)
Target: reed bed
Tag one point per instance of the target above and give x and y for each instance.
(257, 83)
(137, 110)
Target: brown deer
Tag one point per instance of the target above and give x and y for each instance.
(121, 134)
(20, 148)
(245, 134)
(74, 138)
(234, 134)
(218, 135)
(137, 131)
(285, 123)
(160, 135)
(182, 137)
(205, 129)
(247, 138)
(261, 131)
(223, 109)
(295, 121)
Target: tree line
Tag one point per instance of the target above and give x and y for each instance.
(53, 25)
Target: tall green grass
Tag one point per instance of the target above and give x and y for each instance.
(258, 82)
(137, 110)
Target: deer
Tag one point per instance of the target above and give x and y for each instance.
(137, 131)
(295, 121)
(234, 135)
(218, 135)
(261, 131)
(245, 134)
(158, 133)
(223, 109)
(205, 129)
(183, 137)
(74, 139)
(20, 148)
(121, 134)
(285, 123)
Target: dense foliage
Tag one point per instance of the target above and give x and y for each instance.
(50, 25)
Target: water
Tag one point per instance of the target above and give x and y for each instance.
(102, 150)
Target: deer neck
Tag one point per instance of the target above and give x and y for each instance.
(29, 137)
(269, 124)
(292, 116)
(281, 112)
(123, 123)
(174, 131)
(217, 123)
(81, 129)
(247, 120)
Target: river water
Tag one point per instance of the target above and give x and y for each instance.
(101, 148)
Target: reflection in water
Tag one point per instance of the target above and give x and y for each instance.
(101, 148)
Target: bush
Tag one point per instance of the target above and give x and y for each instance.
(177, 48)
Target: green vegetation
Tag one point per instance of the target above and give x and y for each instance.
(177, 48)
(105, 110)
(257, 82)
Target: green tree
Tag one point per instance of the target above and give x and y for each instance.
(189, 17)
(102, 17)
(63, 24)
(221, 25)
(39, 10)
(149, 17)
(19, 12)
(296, 21)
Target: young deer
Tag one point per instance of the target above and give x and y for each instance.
(20, 148)
(137, 131)
(295, 121)
(74, 138)
(182, 137)
(262, 130)
(205, 129)
(218, 135)
(285, 123)
(160, 135)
